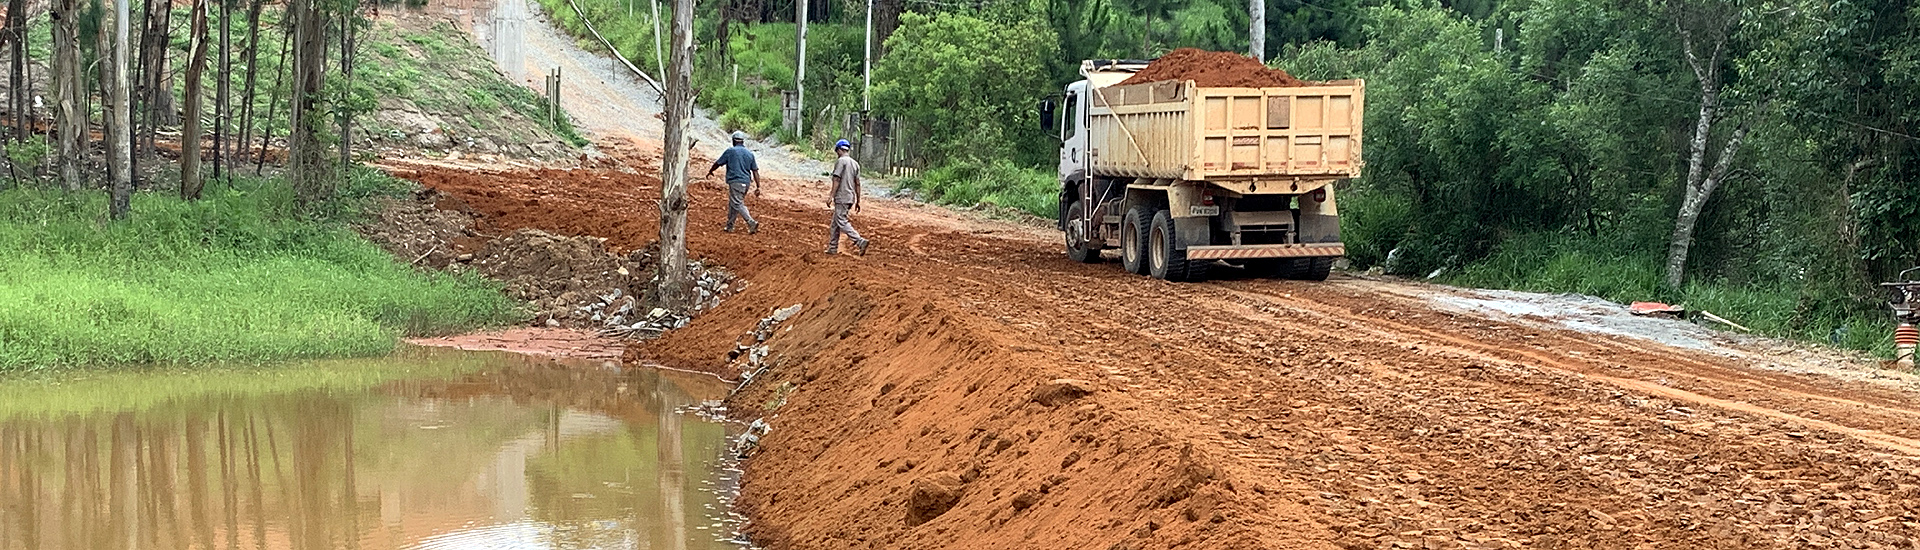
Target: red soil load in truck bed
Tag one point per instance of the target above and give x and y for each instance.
(1214, 70)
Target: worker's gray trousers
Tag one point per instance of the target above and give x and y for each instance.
(737, 207)
(841, 226)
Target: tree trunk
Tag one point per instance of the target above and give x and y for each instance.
(247, 91)
(1696, 200)
(17, 42)
(671, 284)
(191, 130)
(223, 93)
(348, 29)
(69, 85)
(311, 173)
(1701, 183)
(119, 118)
(886, 18)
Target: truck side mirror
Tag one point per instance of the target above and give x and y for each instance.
(1046, 115)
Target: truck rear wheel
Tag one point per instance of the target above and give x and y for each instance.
(1077, 247)
(1314, 269)
(1133, 239)
(1165, 260)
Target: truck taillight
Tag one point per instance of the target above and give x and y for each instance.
(1320, 195)
(1206, 199)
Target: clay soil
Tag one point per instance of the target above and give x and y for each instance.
(966, 386)
(1214, 70)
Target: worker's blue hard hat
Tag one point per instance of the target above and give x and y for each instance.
(842, 144)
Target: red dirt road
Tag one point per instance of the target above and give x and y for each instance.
(1232, 414)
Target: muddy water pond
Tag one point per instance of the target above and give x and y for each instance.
(425, 449)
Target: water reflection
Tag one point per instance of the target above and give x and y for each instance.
(510, 452)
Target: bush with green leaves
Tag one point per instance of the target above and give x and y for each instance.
(971, 84)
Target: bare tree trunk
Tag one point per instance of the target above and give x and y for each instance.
(886, 18)
(1702, 182)
(247, 91)
(191, 130)
(223, 93)
(69, 85)
(17, 89)
(349, 27)
(311, 173)
(119, 117)
(671, 283)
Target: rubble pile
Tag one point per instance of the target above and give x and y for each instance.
(749, 354)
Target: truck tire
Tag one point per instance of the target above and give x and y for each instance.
(1314, 269)
(1165, 261)
(1079, 251)
(1133, 239)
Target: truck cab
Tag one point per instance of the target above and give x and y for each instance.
(1182, 179)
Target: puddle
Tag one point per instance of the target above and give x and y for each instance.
(426, 449)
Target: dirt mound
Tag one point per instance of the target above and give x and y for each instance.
(1214, 70)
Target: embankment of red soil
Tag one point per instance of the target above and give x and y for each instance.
(929, 428)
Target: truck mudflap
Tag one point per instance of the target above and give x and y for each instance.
(1256, 251)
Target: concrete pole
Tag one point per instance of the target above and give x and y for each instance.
(1257, 33)
(800, 66)
(866, 91)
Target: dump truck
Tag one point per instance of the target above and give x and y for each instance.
(1181, 178)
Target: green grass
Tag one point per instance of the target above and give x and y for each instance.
(1619, 273)
(998, 183)
(443, 70)
(239, 276)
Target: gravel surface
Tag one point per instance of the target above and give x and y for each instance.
(608, 102)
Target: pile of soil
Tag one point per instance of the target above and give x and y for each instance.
(1214, 70)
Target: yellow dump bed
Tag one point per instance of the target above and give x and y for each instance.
(1176, 130)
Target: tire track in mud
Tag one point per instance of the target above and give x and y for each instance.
(1530, 384)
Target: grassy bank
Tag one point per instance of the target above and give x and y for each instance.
(239, 276)
(1624, 274)
(998, 183)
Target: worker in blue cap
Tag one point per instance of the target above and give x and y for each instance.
(845, 197)
(743, 174)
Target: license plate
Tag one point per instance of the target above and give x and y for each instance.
(1198, 211)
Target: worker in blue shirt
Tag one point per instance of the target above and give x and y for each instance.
(743, 174)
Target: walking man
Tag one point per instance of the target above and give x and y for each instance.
(845, 197)
(743, 174)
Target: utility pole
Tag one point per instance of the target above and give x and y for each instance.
(119, 138)
(671, 284)
(866, 67)
(1257, 34)
(800, 66)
